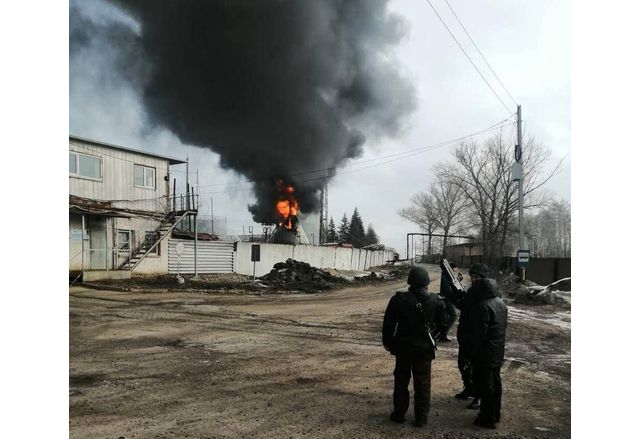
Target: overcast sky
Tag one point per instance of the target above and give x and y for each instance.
(527, 44)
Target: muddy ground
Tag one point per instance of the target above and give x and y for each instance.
(225, 364)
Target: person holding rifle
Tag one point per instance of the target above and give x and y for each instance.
(487, 322)
(451, 284)
(448, 293)
(410, 321)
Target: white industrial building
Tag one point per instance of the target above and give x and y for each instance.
(121, 210)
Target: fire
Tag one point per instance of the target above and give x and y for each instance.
(287, 205)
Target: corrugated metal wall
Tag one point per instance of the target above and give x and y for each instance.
(213, 257)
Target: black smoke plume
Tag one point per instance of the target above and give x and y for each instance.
(276, 87)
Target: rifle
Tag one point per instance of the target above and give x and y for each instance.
(447, 271)
(427, 327)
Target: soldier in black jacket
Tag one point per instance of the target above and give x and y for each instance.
(487, 320)
(450, 299)
(463, 335)
(405, 336)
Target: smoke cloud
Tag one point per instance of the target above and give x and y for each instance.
(278, 88)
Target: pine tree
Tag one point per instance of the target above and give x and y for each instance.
(332, 235)
(356, 230)
(371, 237)
(343, 230)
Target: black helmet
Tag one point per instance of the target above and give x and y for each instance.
(418, 277)
(481, 270)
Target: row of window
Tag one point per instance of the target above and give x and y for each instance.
(88, 166)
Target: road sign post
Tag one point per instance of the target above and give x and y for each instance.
(523, 261)
(255, 257)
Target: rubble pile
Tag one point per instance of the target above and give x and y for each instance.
(296, 275)
(558, 293)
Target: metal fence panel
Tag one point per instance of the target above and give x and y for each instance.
(213, 257)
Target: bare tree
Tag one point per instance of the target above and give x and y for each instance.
(421, 213)
(449, 207)
(483, 174)
(550, 230)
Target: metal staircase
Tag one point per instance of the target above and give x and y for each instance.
(167, 224)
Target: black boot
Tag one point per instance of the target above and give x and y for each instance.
(396, 418)
(466, 393)
(484, 423)
(420, 421)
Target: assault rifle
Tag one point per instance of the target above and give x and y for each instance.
(427, 327)
(458, 289)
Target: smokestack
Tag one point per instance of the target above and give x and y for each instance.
(277, 88)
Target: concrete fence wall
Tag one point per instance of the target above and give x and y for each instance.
(320, 257)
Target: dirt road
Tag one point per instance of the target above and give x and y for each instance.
(196, 365)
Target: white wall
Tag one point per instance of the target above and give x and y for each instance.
(152, 264)
(320, 257)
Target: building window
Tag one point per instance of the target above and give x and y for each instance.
(150, 238)
(145, 176)
(82, 165)
(124, 240)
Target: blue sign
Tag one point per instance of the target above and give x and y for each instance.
(523, 258)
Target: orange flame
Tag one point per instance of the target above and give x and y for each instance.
(287, 206)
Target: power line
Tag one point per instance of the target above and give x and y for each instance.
(467, 55)
(408, 153)
(393, 157)
(480, 52)
(413, 153)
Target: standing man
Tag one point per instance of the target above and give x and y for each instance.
(404, 334)
(487, 316)
(463, 335)
(449, 296)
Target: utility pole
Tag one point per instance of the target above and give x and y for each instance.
(195, 228)
(518, 173)
(212, 231)
(187, 182)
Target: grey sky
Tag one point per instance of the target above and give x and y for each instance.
(527, 44)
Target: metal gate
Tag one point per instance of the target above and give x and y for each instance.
(213, 257)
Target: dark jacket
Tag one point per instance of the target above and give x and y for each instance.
(463, 333)
(486, 323)
(446, 288)
(403, 328)
(448, 291)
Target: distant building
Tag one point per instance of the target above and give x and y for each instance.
(121, 210)
(462, 254)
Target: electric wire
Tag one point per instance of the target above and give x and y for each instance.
(408, 153)
(480, 52)
(468, 57)
(391, 158)
(421, 151)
